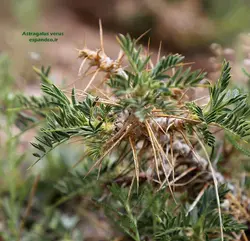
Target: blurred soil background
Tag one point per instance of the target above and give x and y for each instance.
(205, 31)
(188, 27)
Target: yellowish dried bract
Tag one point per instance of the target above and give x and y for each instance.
(100, 60)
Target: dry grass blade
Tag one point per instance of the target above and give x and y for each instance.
(154, 150)
(80, 160)
(81, 66)
(142, 35)
(156, 146)
(172, 183)
(101, 36)
(137, 171)
(65, 87)
(182, 96)
(197, 199)
(99, 171)
(120, 56)
(91, 80)
(159, 147)
(100, 91)
(178, 118)
(172, 153)
(172, 169)
(107, 101)
(97, 163)
(190, 145)
(189, 181)
(215, 185)
(159, 52)
(130, 188)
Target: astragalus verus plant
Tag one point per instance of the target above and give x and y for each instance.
(146, 139)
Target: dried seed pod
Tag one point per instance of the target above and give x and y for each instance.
(100, 60)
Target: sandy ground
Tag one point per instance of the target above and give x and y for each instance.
(61, 55)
